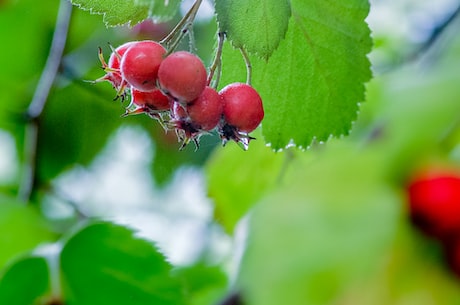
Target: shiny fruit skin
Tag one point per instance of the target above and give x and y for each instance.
(140, 63)
(206, 110)
(182, 76)
(153, 100)
(243, 108)
(113, 67)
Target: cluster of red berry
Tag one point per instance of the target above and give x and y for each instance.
(434, 204)
(174, 88)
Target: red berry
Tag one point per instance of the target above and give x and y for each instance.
(434, 201)
(139, 65)
(113, 67)
(243, 107)
(183, 76)
(115, 57)
(206, 111)
(202, 114)
(153, 100)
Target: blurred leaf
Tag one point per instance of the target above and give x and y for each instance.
(412, 273)
(21, 66)
(121, 12)
(205, 285)
(329, 226)
(256, 25)
(313, 82)
(105, 263)
(21, 229)
(20, 19)
(25, 281)
(237, 179)
(418, 110)
(75, 125)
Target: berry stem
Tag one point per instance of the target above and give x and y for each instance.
(248, 65)
(40, 98)
(173, 38)
(191, 42)
(217, 63)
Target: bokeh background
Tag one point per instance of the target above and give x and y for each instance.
(91, 163)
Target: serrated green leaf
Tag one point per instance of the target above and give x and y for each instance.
(312, 84)
(237, 179)
(25, 282)
(121, 12)
(21, 229)
(115, 12)
(105, 263)
(310, 240)
(256, 25)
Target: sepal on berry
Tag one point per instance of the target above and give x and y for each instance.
(228, 132)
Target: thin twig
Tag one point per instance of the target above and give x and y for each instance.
(248, 65)
(182, 27)
(40, 98)
(52, 63)
(435, 34)
(217, 61)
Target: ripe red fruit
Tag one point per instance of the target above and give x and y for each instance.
(112, 68)
(206, 111)
(182, 76)
(152, 100)
(243, 107)
(139, 65)
(201, 115)
(434, 201)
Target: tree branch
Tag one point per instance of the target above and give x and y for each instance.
(40, 98)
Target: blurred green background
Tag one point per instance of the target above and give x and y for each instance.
(330, 226)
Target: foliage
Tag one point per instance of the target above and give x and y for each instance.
(319, 194)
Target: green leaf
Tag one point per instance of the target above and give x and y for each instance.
(237, 179)
(329, 227)
(412, 272)
(131, 12)
(115, 12)
(256, 25)
(25, 282)
(312, 84)
(21, 229)
(204, 284)
(105, 263)
(415, 102)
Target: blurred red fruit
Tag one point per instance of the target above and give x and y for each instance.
(434, 201)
